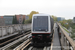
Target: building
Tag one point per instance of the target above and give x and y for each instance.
(8, 19)
(2, 21)
(27, 17)
(60, 18)
(20, 18)
(1, 16)
(73, 19)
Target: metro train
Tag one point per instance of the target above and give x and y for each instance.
(42, 28)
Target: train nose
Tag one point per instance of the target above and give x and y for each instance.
(40, 37)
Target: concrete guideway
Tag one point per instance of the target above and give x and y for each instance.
(12, 43)
(9, 35)
(56, 42)
(43, 48)
(55, 45)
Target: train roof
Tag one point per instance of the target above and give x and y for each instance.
(41, 14)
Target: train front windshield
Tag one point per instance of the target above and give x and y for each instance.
(40, 23)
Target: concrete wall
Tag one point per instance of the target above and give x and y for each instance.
(2, 21)
(8, 30)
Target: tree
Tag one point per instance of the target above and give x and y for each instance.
(16, 20)
(27, 21)
(23, 21)
(55, 18)
(13, 20)
(32, 12)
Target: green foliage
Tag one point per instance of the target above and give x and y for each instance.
(72, 25)
(15, 20)
(23, 21)
(64, 23)
(33, 12)
(55, 18)
(65, 29)
(73, 36)
(30, 17)
(27, 21)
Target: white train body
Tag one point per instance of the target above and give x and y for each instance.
(42, 25)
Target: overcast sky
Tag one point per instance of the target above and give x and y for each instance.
(59, 8)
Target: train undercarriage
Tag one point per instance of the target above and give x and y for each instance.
(41, 39)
